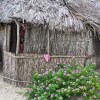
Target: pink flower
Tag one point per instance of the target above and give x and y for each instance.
(53, 74)
(58, 79)
(55, 66)
(58, 63)
(46, 69)
(77, 71)
(47, 57)
(38, 98)
(35, 68)
(68, 65)
(47, 88)
(46, 72)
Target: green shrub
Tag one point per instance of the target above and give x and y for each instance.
(68, 81)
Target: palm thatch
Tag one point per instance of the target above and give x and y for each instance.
(59, 14)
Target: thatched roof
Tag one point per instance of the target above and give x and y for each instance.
(59, 14)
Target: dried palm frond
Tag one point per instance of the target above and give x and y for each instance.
(58, 14)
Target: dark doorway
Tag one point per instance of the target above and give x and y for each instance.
(1, 59)
(0, 53)
(13, 38)
(97, 51)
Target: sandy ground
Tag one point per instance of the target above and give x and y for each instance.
(9, 92)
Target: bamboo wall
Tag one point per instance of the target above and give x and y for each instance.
(22, 67)
(61, 43)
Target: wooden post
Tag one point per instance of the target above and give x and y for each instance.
(25, 40)
(8, 38)
(18, 37)
(5, 37)
(48, 42)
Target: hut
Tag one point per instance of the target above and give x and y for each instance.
(60, 28)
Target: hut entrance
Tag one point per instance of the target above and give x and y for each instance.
(22, 36)
(0, 53)
(97, 51)
(13, 39)
(1, 61)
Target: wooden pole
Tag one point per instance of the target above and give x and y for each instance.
(25, 39)
(41, 56)
(48, 42)
(8, 38)
(5, 39)
(18, 37)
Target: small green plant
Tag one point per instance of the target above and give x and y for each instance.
(68, 81)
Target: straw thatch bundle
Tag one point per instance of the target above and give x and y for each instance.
(59, 14)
